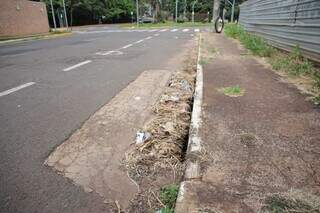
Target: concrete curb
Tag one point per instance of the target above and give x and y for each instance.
(33, 38)
(192, 173)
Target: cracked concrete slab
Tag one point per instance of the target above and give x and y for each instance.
(92, 156)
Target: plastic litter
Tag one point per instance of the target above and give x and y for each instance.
(174, 98)
(182, 84)
(185, 85)
(142, 137)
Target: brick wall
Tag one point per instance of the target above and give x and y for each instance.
(22, 17)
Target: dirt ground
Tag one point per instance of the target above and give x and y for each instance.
(261, 143)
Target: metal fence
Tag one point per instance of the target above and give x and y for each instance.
(285, 23)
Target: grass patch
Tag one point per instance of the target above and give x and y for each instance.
(203, 61)
(168, 195)
(235, 91)
(294, 64)
(165, 24)
(278, 204)
(255, 44)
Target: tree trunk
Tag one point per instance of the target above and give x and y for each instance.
(71, 13)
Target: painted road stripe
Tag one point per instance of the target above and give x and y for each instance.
(196, 30)
(157, 34)
(164, 30)
(185, 30)
(150, 37)
(7, 92)
(174, 30)
(127, 46)
(77, 65)
(137, 42)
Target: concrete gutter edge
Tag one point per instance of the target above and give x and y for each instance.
(192, 172)
(36, 37)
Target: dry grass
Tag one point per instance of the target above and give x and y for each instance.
(293, 201)
(159, 160)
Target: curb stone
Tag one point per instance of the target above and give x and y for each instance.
(186, 201)
(33, 38)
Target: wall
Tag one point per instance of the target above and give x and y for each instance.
(285, 23)
(22, 17)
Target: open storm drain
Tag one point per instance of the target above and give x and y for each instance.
(157, 159)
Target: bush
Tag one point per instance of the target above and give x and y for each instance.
(180, 20)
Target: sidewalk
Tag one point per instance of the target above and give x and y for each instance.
(260, 140)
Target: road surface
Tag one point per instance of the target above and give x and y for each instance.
(48, 88)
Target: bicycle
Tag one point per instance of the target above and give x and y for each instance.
(219, 22)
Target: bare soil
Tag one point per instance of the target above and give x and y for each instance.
(258, 145)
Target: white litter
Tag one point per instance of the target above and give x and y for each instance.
(142, 137)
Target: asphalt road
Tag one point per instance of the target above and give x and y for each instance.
(48, 88)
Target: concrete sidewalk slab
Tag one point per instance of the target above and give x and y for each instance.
(92, 156)
(261, 143)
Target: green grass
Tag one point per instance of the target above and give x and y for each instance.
(165, 24)
(255, 44)
(168, 195)
(294, 64)
(203, 61)
(235, 91)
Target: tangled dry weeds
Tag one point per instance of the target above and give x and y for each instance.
(160, 155)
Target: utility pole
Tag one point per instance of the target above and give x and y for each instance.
(53, 16)
(71, 13)
(232, 13)
(185, 9)
(193, 3)
(176, 10)
(215, 10)
(65, 13)
(137, 11)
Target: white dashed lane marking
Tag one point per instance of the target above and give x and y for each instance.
(9, 91)
(77, 65)
(127, 46)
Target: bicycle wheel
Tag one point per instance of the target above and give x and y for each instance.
(219, 24)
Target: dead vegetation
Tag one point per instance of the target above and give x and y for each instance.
(292, 202)
(157, 158)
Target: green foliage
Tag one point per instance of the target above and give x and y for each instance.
(294, 64)
(254, 43)
(168, 195)
(115, 11)
(235, 91)
(180, 20)
(166, 210)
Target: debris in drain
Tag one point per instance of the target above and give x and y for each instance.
(163, 140)
(182, 84)
(174, 97)
(142, 137)
(169, 127)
